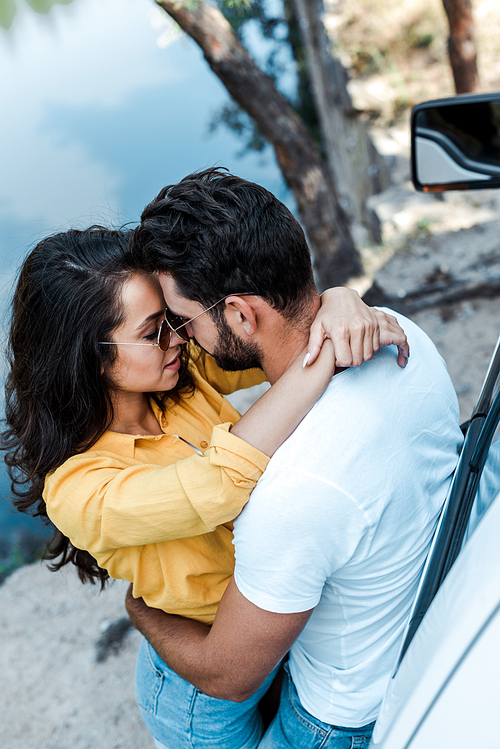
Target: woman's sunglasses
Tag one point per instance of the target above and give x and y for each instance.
(173, 324)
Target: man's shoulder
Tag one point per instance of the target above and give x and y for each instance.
(373, 409)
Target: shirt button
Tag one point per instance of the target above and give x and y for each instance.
(203, 444)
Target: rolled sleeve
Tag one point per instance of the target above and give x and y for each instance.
(228, 489)
(229, 451)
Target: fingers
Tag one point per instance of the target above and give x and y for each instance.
(403, 356)
(348, 341)
(372, 342)
(354, 340)
(349, 344)
(316, 338)
(356, 331)
(352, 326)
(392, 333)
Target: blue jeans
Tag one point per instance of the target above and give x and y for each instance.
(295, 727)
(180, 716)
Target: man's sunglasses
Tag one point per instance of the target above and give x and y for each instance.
(173, 324)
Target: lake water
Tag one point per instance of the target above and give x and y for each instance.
(101, 107)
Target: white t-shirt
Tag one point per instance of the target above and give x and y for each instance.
(342, 520)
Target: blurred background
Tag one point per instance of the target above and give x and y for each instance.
(103, 102)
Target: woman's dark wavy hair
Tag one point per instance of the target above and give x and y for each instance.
(58, 395)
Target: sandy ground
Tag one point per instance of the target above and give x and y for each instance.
(55, 692)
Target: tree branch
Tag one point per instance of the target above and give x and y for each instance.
(305, 172)
(462, 45)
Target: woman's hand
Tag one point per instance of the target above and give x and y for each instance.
(355, 329)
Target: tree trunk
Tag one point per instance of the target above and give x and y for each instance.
(462, 45)
(306, 174)
(358, 169)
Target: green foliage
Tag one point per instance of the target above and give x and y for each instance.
(239, 13)
(366, 61)
(239, 4)
(239, 122)
(424, 225)
(8, 9)
(7, 13)
(187, 4)
(45, 6)
(400, 105)
(423, 41)
(419, 32)
(283, 36)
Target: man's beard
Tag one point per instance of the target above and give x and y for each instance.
(231, 353)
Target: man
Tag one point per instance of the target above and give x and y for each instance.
(330, 548)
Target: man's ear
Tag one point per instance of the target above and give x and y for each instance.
(241, 314)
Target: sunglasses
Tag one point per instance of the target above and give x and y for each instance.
(173, 324)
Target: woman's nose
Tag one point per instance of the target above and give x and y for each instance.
(175, 340)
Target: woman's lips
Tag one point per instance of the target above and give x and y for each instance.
(173, 365)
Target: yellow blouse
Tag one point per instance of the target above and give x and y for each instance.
(153, 511)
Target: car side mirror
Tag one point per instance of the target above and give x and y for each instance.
(455, 143)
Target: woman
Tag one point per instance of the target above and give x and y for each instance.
(128, 448)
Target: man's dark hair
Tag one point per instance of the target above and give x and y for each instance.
(217, 234)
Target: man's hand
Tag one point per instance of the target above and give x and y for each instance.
(231, 659)
(356, 330)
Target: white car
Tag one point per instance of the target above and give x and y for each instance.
(445, 689)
